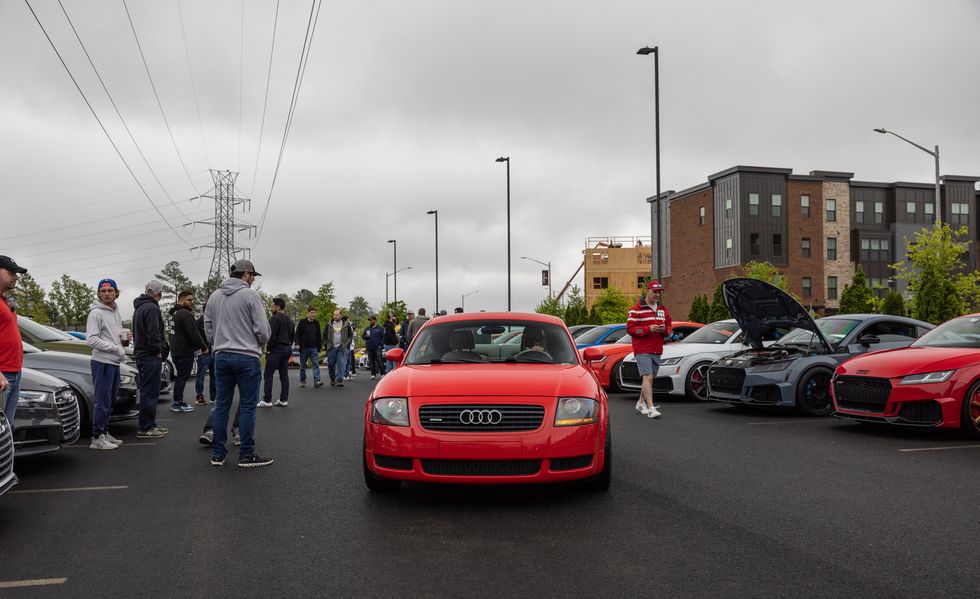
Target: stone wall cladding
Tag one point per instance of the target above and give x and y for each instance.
(842, 268)
(798, 228)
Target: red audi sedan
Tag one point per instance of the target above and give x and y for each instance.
(935, 382)
(460, 409)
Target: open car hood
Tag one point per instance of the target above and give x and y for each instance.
(760, 308)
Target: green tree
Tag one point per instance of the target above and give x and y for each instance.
(893, 304)
(857, 297)
(29, 298)
(299, 303)
(203, 291)
(612, 306)
(718, 310)
(936, 275)
(700, 309)
(72, 300)
(399, 308)
(359, 310)
(575, 310)
(174, 281)
(325, 302)
(551, 306)
(593, 317)
(764, 271)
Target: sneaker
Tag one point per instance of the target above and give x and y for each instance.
(207, 438)
(175, 407)
(318, 384)
(161, 429)
(199, 400)
(236, 438)
(280, 403)
(340, 383)
(653, 413)
(186, 407)
(332, 382)
(153, 433)
(640, 405)
(265, 404)
(101, 442)
(253, 461)
(302, 383)
(112, 439)
(215, 461)
(347, 378)
(373, 377)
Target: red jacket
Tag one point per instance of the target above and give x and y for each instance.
(641, 318)
(11, 350)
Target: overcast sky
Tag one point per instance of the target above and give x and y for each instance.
(405, 105)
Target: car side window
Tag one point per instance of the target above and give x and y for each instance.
(890, 331)
(611, 338)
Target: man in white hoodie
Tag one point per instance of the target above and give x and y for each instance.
(237, 329)
(104, 334)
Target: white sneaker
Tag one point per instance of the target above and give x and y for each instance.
(101, 442)
(640, 405)
(653, 413)
(372, 377)
(280, 402)
(265, 404)
(112, 439)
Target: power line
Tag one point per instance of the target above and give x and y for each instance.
(265, 102)
(114, 240)
(115, 253)
(109, 137)
(101, 271)
(157, 96)
(300, 72)
(119, 114)
(197, 107)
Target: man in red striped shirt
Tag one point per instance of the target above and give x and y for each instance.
(648, 325)
(11, 350)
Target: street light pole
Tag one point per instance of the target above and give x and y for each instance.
(462, 299)
(655, 205)
(394, 266)
(388, 274)
(507, 160)
(436, 213)
(934, 154)
(546, 264)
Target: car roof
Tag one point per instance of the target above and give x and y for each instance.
(483, 316)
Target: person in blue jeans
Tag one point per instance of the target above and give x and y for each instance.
(309, 340)
(390, 340)
(150, 349)
(235, 325)
(205, 367)
(105, 335)
(337, 336)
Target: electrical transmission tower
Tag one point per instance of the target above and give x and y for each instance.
(225, 227)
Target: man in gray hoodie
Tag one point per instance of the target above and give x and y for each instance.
(105, 335)
(236, 327)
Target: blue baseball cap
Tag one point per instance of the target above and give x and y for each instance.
(109, 282)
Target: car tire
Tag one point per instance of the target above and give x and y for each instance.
(813, 393)
(375, 483)
(84, 415)
(614, 378)
(601, 482)
(970, 416)
(690, 384)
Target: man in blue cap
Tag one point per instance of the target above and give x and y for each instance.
(104, 333)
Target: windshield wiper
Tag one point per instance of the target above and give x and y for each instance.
(531, 357)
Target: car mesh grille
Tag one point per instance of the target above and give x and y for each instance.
(6, 448)
(726, 380)
(864, 393)
(387, 461)
(481, 467)
(921, 412)
(571, 463)
(67, 412)
(629, 372)
(447, 417)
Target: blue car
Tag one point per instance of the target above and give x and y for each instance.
(796, 370)
(600, 335)
(77, 335)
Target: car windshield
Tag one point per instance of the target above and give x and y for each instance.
(959, 332)
(592, 335)
(42, 332)
(834, 329)
(716, 332)
(625, 339)
(471, 342)
(579, 330)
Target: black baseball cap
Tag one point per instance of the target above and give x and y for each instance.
(9, 264)
(241, 266)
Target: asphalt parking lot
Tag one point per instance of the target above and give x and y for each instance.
(710, 501)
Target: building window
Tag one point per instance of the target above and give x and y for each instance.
(960, 214)
(753, 204)
(884, 252)
(865, 248)
(728, 246)
(777, 204)
(831, 206)
(831, 248)
(805, 206)
(930, 211)
(600, 282)
(701, 216)
(641, 281)
(807, 287)
(754, 244)
(805, 247)
(859, 211)
(910, 212)
(831, 288)
(600, 258)
(777, 245)
(728, 208)
(879, 213)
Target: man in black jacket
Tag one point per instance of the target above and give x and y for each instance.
(279, 348)
(183, 343)
(309, 338)
(150, 350)
(390, 340)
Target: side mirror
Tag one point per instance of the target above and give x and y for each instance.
(868, 340)
(591, 354)
(395, 355)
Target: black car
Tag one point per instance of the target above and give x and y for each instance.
(47, 414)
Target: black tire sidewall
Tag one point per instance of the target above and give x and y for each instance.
(806, 378)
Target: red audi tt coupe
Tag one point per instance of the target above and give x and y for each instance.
(460, 409)
(935, 382)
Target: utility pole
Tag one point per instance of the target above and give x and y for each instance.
(225, 202)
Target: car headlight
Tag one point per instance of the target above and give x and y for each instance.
(392, 411)
(573, 411)
(940, 376)
(33, 399)
(127, 379)
(671, 361)
(773, 366)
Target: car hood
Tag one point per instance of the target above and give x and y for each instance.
(894, 363)
(34, 380)
(67, 361)
(760, 308)
(500, 380)
(682, 350)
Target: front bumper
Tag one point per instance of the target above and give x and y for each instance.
(925, 406)
(763, 389)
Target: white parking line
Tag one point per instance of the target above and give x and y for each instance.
(807, 421)
(941, 448)
(37, 582)
(67, 490)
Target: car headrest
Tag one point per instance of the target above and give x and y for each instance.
(464, 340)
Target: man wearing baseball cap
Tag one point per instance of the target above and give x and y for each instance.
(105, 335)
(648, 324)
(150, 349)
(235, 324)
(11, 348)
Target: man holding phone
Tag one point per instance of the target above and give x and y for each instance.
(648, 325)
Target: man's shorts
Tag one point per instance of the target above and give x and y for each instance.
(647, 364)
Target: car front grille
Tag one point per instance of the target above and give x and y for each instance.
(463, 418)
(921, 412)
(726, 380)
(67, 412)
(558, 464)
(663, 384)
(864, 393)
(481, 467)
(6, 448)
(630, 374)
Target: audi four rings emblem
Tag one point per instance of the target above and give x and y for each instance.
(480, 416)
